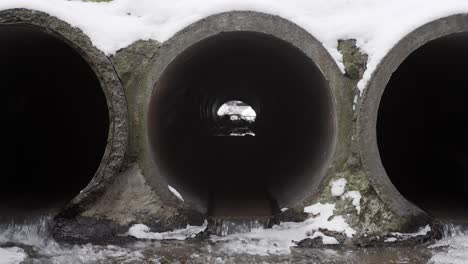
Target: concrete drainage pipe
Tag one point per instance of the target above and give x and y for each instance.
(414, 121)
(63, 115)
(269, 64)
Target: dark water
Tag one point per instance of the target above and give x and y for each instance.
(30, 243)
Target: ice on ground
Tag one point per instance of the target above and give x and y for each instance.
(338, 187)
(279, 238)
(403, 236)
(176, 193)
(355, 197)
(12, 255)
(144, 232)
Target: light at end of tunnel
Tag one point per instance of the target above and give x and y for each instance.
(236, 117)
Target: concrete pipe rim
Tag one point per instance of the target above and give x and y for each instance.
(369, 108)
(103, 69)
(275, 27)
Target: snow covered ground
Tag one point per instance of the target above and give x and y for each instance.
(377, 25)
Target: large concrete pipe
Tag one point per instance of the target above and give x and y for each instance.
(275, 67)
(63, 115)
(414, 122)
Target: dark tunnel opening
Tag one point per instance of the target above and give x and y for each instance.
(249, 175)
(423, 126)
(54, 120)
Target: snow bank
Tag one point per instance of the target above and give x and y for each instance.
(377, 25)
(12, 255)
(143, 232)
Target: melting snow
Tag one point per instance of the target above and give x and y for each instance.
(403, 236)
(279, 238)
(355, 197)
(176, 193)
(144, 232)
(338, 187)
(12, 255)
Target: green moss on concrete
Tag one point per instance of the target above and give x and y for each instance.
(374, 217)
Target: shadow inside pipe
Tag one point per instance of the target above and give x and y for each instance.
(54, 120)
(423, 127)
(294, 124)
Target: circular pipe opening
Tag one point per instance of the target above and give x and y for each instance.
(422, 127)
(55, 120)
(294, 126)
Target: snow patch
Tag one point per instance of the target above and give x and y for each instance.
(338, 187)
(390, 239)
(355, 197)
(144, 232)
(404, 236)
(12, 255)
(176, 193)
(327, 240)
(279, 238)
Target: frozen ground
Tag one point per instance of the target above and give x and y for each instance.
(377, 25)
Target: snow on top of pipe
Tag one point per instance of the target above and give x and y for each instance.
(376, 25)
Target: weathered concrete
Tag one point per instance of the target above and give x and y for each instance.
(286, 31)
(130, 186)
(409, 214)
(110, 84)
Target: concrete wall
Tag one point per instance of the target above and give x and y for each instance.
(129, 187)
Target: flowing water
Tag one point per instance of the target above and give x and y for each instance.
(30, 242)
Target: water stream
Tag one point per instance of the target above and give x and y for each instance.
(30, 242)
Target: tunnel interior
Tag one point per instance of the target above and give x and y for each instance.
(423, 127)
(250, 175)
(54, 119)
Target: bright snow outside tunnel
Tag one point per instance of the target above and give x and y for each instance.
(236, 118)
(54, 121)
(263, 88)
(423, 126)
